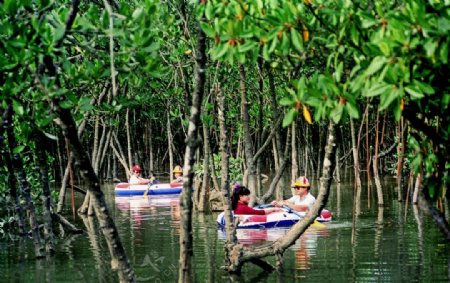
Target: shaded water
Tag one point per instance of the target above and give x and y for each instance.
(394, 244)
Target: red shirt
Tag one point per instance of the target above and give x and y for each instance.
(245, 209)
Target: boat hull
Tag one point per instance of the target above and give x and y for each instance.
(272, 220)
(125, 189)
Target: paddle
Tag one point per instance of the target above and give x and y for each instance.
(290, 210)
(149, 185)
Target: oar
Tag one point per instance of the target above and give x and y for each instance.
(316, 223)
(148, 187)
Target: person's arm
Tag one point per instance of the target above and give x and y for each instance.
(244, 209)
(272, 209)
(304, 205)
(297, 207)
(141, 181)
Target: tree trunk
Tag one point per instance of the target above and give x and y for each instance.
(169, 144)
(225, 181)
(248, 143)
(358, 188)
(294, 161)
(6, 123)
(23, 183)
(186, 251)
(355, 160)
(400, 151)
(367, 156)
(278, 152)
(129, 144)
(375, 164)
(46, 197)
(202, 194)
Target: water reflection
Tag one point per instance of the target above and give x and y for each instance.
(146, 208)
(149, 231)
(304, 248)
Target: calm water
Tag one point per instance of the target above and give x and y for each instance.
(395, 244)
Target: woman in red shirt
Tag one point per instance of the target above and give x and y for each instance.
(240, 199)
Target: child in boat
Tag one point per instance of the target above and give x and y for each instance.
(240, 199)
(303, 199)
(136, 178)
(178, 175)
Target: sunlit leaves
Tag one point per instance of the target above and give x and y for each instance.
(289, 117)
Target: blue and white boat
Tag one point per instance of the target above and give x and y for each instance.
(125, 189)
(272, 220)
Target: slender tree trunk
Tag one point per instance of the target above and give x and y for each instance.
(46, 195)
(294, 162)
(225, 181)
(278, 152)
(202, 195)
(401, 150)
(375, 165)
(248, 143)
(355, 160)
(24, 185)
(119, 258)
(169, 144)
(129, 144)
(9, 149)
(367, 156)
(186, 250)
(150, 145)
(69, 130)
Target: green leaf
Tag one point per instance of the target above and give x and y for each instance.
(19, 149)
(336, 113)
(220, 51)
(352, 110)
(209, 10)
(377, 89)
(338, 71)
(209, 31)
(296, 40)
(266, 54)
(286, 101)
(85, 104)
(290, 116)
(375, 66)
(248, 45)
(18, 108)
(388, 97)
(137, 13)
(424, 87)
(414, 92)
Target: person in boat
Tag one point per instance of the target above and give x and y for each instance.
(178, 175)
(240, 200)
(136, 178)
(303, 200)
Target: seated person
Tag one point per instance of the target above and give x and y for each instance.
(136, 178)
(303, 200)
(178, 175)
(240, 199)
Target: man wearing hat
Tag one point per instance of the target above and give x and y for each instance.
(303, 200)
(136, 178)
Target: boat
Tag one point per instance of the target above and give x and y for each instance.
(125, 189)
(273, 220)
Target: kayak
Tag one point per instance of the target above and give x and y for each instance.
(272, 220)
(125, 189)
